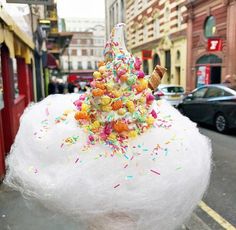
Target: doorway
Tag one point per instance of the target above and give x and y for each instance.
(177, 75)
(215, 74)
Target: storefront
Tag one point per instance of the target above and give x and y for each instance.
(211, 32)
(16, 81)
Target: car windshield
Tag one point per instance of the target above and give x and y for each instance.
(173, 89)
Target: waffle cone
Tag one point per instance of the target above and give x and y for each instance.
(156, 76)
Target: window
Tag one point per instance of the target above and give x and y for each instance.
(15, 78)
(173, 89)
(84, 53)
(79, 66)
(89, 65)
(199, 93)
(210, 27)
(74, 52)
(167, 60)
(1, 85)
(216, 92)
(91, 52)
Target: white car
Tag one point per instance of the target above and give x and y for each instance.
(174, 94)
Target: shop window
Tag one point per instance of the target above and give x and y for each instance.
(15, 78)
(210, 27)
(1, 85)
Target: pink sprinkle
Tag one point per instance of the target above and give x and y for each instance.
(35, 171)
(126, 166)
(116, 185)
(77, 160)
(62, 145)
(132, 158)
(47, 112)
(155, 172)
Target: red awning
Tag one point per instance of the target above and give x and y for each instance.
(52, 62)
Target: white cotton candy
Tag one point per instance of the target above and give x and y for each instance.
(143, 189)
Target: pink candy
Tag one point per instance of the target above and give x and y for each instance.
(137, 63)
(140, 74)
(149, 98)
(154, 114)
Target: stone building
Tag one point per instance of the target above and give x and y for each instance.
(211, 36)
(115, 13)
(84, 52)
(156, 33)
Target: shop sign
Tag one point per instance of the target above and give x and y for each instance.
(146, 54)
(33, 2)
(214, 44)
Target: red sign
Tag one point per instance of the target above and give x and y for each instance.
(207, 76)
(146, 54)
(214, 44)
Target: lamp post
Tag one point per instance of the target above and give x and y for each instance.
(69, 53)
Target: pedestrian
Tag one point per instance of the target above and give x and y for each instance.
(52, 85)
(60, 86)
(230, 81)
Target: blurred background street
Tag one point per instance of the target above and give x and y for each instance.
(53, 47)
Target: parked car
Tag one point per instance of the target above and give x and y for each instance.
(213, 105)
(174, 94)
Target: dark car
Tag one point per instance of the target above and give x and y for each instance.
(213, 105)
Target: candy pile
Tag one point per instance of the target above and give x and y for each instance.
(119, 105)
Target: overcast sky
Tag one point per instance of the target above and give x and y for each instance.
(81, 8)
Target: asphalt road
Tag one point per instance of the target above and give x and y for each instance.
(221, 194)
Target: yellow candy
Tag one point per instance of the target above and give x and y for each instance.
(133, 134)
(112, 137)
(105, 100)
(106, 108)
(97, 75)
(130, 106)
(85, 107)
(116, 93)
(143, 82)
(95, 125)
(150, 120)
(142, 100)
(102, 69)
(121, 111)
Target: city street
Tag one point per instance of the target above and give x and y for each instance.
(221, 194)
(20, 214)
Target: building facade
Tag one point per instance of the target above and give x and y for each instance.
(156, 33)
(84, 51)
(211, 41)
(115, 13)
(16, 80)
(80, 24)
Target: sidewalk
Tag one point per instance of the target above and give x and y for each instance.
(17, 213)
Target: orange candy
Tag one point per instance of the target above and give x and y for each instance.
(100, 85)
(117, 105)
(120, 127)
(123, 78)
(139, 88)
(101, 63)
(80, 115)
(97, 92)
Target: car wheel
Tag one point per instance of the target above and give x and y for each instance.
(220, 123)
